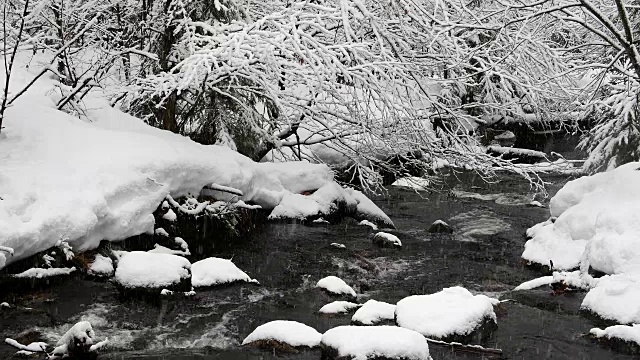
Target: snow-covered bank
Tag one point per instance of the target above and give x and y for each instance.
(594, 224)
(86, 181)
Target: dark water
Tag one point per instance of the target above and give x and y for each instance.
(483, 256)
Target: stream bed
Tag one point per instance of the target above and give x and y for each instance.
(482, 255)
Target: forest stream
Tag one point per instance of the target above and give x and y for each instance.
(483, 255)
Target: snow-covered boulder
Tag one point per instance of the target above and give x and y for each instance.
(153, 272)
(374, 342)
(282, 333)
(373, 312)
(623, 334)
(615, 297)
(216, 271)
(440, 227)
(77, 342)
(101, 266)
(40, 273)
(384, 239)
(336, 286)
(452, 311)
(338, 307)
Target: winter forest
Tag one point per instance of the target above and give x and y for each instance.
(320, 179)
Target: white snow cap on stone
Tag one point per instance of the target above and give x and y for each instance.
(622, 332)
(369, 224)
(615, 297)
(170, 215)
(389, 238)
(535, 283)
(338, 307)
(366, 342)
(151, 270)
(372, 312)
(292, 333)
(101, 266)
(215, 271)
(451, 311)
(335, 285)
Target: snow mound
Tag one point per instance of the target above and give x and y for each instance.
(335, 285)
(369, 342)
(216, 271)
(86, 172)
(338, 307)
(372, 312)
(292, 333)
(101, 266)
(412, 182)
(615, 297)
(138, 269)
(369, 224)
(598, 216)
(327, 200)
(622, 332)
(452, 311)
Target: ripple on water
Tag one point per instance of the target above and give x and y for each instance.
(479, 222)
(501, 199)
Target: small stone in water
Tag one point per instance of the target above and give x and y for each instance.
(440, 227)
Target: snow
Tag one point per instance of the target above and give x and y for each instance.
(623, 332)
(338, 307)
(161, 232)
(289, 332)
(182, 244)
(39, 273)
(535, 283)
(451, 311)
(335, 285)
(536, 203)
(615, 297)
(339, 246)
(366, 342)
(516, 151)
(32, 347)
(386, 238)
(151, 270)
(373, 311)
(412, 182)
(4, 304)
(506, 135)
(101, 266)
(170, 215)
(368, 223)
(69, 178)
(79, 334)
(598, 216)
(159, 249)
(216, 271)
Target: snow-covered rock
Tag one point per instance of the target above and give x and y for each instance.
(622, 332)
(384, 239)
(535, 283)
(452, 311)
(170, 215)
(77, 341)
(440, 227)
(615, 297)
(336, 286)
(101, 266)
(39, 273)
(159, 249)
(338, 307)
(216, 271)
(505, 135)
(338, 245)
(373, 312)
(291, 333)
(153, 271)
(374, 342)
(369, 224)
